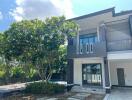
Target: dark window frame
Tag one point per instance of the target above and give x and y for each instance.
(92, 84)
(87, 37)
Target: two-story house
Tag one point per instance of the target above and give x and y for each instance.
(101, 53)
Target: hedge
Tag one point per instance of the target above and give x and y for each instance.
(44, 88)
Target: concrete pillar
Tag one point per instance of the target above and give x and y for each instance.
(130, 23)
(107, 78)
(70, 71)
(102, 32)
(77, 43)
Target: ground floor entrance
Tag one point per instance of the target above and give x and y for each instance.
(89, 72)
(120, 76)
(102, 72)
(92, 74)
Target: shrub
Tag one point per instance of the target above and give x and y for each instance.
(44, 88)
(2, 74)
(17, 72)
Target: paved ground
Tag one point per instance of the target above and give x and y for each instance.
(7, 89)
(94, 90)
(120, 94)
(12, 87)
(79, 96)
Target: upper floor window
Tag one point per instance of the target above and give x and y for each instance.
(86, 43)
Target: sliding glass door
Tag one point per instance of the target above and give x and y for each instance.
(91, 74)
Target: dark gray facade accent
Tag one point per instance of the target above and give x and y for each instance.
(130, 23)
(93, 30)
(108, 90)
(121, 38)
(120, 76)
(86, 35)
(102, 32)
(70, 70)
(107, 79)
(99, 50)
(106, 70)
(119, 45)
(122, 13)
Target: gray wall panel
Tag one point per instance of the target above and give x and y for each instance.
(70, 71)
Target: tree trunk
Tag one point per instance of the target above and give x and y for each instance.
(7, 73)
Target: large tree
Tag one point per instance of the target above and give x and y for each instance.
(38, 42)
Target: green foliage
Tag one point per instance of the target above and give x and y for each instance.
(2, 39)
(29, 70)
(17, 72)
(2, 74)
(2, 70)
(37, 43)
(44, 88)
(31, 73)
(61, 61)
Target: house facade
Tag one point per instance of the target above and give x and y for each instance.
(101, 53)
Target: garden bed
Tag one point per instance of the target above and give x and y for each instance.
(63, 96)
(23, 96)
(44, 91)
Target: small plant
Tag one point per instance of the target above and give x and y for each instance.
(2, 74)
(44, 88)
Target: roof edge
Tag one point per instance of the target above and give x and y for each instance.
(102, 12)
(94, 14)
(123, 13)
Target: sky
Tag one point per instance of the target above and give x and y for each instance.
(17, 10)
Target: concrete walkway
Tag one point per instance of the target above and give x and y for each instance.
(7, 89)
(78, 96)
(12, 87)
(120, 94)
(94, 90)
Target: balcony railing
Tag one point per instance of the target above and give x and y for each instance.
(88, 50)
(120, 45)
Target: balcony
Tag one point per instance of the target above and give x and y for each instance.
(97, 49)
(120, 45)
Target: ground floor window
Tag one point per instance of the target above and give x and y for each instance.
(91, 74)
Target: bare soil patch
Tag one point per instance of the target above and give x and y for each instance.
(95, 97)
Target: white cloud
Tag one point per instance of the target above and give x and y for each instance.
(30, 9)
(1, 16)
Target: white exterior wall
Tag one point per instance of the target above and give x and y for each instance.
(119, 55)
(127, 65)
(78, 68)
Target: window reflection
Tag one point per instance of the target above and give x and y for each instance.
(86, 43)
(92, 74)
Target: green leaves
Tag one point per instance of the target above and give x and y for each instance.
(38, 42)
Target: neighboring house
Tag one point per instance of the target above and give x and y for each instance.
(101, 53)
